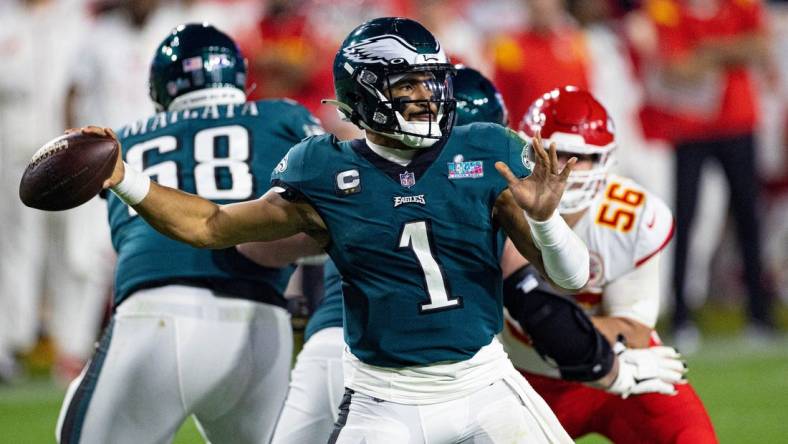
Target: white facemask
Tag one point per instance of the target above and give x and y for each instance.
(421, 127)
(208, 97)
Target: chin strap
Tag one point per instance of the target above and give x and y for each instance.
(411, 140)
(419, 132)
(343, 108)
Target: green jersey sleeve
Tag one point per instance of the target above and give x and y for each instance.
(501, 144)
(293, 121)
(513, 151)
(299, 121)
(519, 153)
(301, 170)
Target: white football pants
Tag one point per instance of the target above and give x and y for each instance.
(174, 351)
(508, 411)
(316, 390)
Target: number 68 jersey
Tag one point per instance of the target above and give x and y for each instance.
(623, 228)
(224, 153)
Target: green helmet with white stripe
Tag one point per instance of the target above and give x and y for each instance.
(372, 58)
(195, 64)
(478, 100)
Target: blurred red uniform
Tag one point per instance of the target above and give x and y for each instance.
(529, 63)
(701, 95)
(653, 418)
(732, 97)
(287, 59)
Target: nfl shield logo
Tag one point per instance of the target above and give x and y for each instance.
(407, 179)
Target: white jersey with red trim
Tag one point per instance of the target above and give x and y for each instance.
(623, 228)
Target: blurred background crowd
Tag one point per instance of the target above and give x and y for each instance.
(698, 90)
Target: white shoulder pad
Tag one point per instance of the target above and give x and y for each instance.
(635, 295)
(634, 226)
(655, 228)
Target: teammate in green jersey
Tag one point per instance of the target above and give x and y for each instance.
(194, 331)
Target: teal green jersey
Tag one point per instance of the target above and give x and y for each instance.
(416, 246)
(329, 311)
(224, 153)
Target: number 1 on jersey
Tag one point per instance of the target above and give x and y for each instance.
(415, 236)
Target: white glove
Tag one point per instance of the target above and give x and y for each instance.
(647, 370)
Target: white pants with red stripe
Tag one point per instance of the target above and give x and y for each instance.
(177, 351)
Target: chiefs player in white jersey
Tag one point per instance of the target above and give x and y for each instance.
(625, 228)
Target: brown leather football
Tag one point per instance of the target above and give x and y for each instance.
(68, 171)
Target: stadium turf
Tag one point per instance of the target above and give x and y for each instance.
(744, 387)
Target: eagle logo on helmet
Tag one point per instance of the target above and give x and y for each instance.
(390, 49)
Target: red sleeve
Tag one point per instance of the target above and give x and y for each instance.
(668, 18)
(672, 44)
(751, 14)
(507, 77)
(508, 85)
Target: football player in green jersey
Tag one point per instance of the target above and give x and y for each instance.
(410, 216)
(316, 384)
(194, 331)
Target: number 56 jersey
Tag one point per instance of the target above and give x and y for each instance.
(224, 153)
(623, 228)
(416, 245)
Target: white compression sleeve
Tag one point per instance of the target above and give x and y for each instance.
(565, 256)
(134, 186)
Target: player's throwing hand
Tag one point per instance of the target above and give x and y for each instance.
(539, 193)
(117, 174)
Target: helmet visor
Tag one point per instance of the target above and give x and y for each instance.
(585, 181)
(418, 101)
(421, 99)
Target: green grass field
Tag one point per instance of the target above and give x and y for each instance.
(744, 388)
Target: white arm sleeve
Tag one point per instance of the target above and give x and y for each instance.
(564, 254)
(635, 295)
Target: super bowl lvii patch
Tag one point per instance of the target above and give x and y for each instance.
(471, 169)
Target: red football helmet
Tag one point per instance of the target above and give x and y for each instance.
(578, 125)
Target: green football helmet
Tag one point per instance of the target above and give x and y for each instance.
(478, 100)
(196, 63)
(377, 55)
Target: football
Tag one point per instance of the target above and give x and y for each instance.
(68, 171)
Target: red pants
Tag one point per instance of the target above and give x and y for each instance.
(651, 418)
